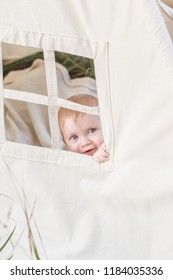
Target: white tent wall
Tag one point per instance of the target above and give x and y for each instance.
(88, 211)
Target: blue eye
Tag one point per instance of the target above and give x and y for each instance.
(73, 137)
(92, 130)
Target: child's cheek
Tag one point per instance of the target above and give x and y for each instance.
(99, 140)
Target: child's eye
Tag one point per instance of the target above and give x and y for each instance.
(91, 130)
(73, 137)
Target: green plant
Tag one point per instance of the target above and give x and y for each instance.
(28, 212)
(8, 240)
(77, 66)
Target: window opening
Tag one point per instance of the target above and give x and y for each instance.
(75, 74)
(24, 69)
(27, 123)
(76, 65)
(70, 66)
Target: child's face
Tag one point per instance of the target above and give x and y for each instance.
(83, 135)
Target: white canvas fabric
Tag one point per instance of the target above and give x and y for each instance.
(71, 206)
(167, 12)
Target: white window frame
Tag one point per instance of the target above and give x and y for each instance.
(98, 51)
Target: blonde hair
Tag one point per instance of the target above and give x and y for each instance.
(83, 99)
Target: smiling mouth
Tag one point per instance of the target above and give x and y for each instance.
(90, 152)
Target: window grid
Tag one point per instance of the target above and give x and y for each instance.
(50, 44)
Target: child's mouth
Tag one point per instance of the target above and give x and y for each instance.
(90, 152)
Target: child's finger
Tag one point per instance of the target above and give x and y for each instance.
(103, 146)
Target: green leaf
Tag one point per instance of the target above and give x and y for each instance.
(36, 252)
(8, 239)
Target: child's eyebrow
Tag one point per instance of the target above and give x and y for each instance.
(72, 134)
(92, 126)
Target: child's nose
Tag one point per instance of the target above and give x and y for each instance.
(85, 141)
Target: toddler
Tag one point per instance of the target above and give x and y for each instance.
(81, 132)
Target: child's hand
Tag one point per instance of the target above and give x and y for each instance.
(101, 155)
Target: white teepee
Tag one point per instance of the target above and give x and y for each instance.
(71, 206)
